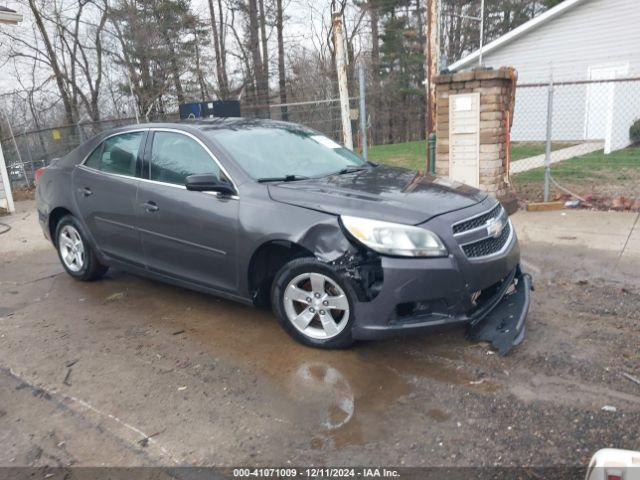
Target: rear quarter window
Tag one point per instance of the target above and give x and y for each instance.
(117, 154)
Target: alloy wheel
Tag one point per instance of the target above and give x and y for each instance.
(316, 306)
(71, 248)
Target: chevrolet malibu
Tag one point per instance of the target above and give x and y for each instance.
(273, 213)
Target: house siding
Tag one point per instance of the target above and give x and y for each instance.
(591, 34)
(596, 32)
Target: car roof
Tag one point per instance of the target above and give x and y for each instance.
(213, 124)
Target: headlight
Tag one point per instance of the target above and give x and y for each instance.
(394, 238)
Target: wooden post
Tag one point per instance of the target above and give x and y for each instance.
(431, 67)
(343, 87)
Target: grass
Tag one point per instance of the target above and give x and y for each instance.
(604, 176)
(520, 150)
(408, 155)
(413, 154)
(596, 175)
(590, 167)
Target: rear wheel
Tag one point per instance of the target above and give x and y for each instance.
(76, 254)
(313, 304)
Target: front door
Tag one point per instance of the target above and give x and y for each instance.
(186, 235)
(105, 189)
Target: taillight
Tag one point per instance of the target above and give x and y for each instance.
(37, 174)
(614, 476)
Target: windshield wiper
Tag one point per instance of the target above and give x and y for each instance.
(349, 170)
(286, 178)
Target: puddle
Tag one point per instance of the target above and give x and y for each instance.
(326, 392)
(340, 397)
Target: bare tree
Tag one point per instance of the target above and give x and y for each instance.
(261, 82)
(52, 60)
(265, 49)
(218, 29)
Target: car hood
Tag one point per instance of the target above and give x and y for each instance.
(382, 193)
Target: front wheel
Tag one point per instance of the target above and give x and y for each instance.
(76, 254)
(313, 304)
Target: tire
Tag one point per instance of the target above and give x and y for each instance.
(293, 297)
(75, 252)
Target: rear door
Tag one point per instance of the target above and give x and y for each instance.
(186, 235)
(105, 189)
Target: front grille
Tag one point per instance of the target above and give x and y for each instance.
(477, 221)
(488, 246)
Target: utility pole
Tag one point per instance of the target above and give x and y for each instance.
(343, 87)
(481, 30)
(432, 56)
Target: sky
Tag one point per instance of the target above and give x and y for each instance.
(303, 28)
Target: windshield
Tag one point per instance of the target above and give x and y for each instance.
(277, 151)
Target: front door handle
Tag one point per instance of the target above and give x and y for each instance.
(151, 207)
(86, 191)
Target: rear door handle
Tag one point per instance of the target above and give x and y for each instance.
(151, 207)
(86, 191)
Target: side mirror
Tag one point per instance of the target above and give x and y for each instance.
(208, 183)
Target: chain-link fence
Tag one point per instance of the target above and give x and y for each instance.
(574, 140)
(589, 128)
(322, 115)
(27, 151)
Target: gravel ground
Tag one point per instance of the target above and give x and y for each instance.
(127, 372)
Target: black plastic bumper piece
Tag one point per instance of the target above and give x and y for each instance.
(503, 327)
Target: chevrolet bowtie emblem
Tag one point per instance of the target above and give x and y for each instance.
(495, 227)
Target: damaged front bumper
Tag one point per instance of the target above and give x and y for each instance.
(502, 324)
(491, 298)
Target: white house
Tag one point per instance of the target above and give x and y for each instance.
(576, 41)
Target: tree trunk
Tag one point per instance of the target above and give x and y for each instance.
(223, 48)
(421, 72)
(281, 71)
(254, 47)
(223, 82)
(51, 54)
(265, 50)
(175, 73)
(375, 72)
(204, 94)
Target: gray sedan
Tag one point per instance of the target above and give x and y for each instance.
(273, 213)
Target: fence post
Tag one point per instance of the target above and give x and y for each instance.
(26, 144)
(80, 133)
(547, 156)
(363, 114)
(432, 153)
(343, 87)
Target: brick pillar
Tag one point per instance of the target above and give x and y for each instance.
(497, 89)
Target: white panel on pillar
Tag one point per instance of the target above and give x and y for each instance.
(464, 138)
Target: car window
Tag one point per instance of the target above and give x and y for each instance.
(94, 159)
(117, 154)
(175, 156)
